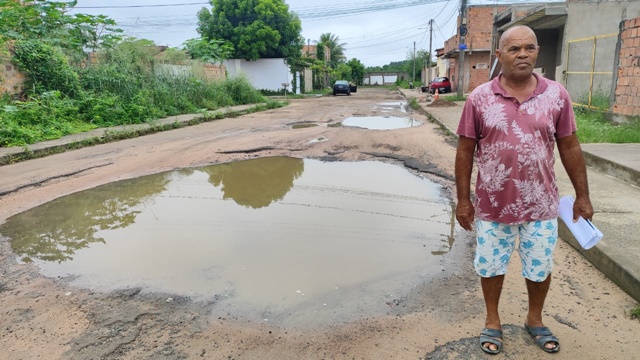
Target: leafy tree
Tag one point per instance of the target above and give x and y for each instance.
(89, 31)
(341, 72)
(320, 52)
(212, 51)
(319, 69)
(255, 28)
(47, 67)
(48, 21)
(421, 57)
(357, 71)
(336, 49)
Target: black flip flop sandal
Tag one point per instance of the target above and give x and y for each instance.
(542, 335)
(491, 336)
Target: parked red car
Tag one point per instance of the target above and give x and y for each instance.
(441, 83)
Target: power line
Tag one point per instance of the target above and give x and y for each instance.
(312, 12)
(138, 6)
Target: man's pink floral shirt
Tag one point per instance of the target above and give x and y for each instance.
(515, 151)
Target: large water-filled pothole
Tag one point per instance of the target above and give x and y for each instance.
(380, 122)
(278, 239)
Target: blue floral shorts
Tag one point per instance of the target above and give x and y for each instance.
(496, 241)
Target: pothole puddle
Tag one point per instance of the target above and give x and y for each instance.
(393, 106)
(380, 122)
(288, 240)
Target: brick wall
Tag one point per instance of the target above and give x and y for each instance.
(480, 25)
(480, 63)
(627, 95)
(215, 72)
(11, 79)
(479, 43)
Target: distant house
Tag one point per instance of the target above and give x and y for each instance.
(479, 44)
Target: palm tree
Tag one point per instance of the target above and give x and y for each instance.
(332, 42)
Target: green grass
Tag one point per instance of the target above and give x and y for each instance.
(635, 313)
(405, 84)
(413, 104)
(599, 99)
(455, 97)
(593, 127)
(318, 92)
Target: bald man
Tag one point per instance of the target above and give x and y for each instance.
(511, 125)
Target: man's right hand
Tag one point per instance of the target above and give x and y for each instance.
(465, 213)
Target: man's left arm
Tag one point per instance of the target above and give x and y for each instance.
(573, 162)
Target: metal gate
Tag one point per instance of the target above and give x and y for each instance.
(589, 73)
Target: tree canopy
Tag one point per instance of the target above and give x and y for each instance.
(255, 28)
(336, 48)
(357, 70)
(48, 21)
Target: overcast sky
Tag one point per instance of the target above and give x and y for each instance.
(375, 31)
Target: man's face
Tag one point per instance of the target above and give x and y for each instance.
(518, 53)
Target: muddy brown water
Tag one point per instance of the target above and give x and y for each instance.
(272, 238)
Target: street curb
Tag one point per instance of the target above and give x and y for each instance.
(604, 258)
(616, 170)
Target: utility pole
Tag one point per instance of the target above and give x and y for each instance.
(462, 47)
(428, 75)
(414, 61)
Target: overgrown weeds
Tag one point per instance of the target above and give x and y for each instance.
(125, 85)
(593, 127)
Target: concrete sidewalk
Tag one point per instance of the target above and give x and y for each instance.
(614, 182)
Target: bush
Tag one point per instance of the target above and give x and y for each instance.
(47, 68)
(122, 87)
(43, 117)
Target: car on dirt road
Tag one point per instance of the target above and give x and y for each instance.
(441, 83)
(341, 87)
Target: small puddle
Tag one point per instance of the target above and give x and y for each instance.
(380, 122)
(392, 106)
(286, 240)
(318, 140)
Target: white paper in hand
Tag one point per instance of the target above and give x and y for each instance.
(583, 230)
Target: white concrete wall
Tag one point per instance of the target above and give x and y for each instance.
(268, 74)
(372, 80)
(443, 65)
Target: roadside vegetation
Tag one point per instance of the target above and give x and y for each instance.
(82, 74)
(121, 87)
(593, 127)
(635, 313)
(456, 97)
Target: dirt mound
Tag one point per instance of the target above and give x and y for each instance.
(442, 103)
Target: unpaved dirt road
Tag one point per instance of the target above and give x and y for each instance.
(44, 318)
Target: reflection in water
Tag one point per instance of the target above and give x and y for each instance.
(380, 122)
(301, 238)
(256, 183)
(56, 230)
